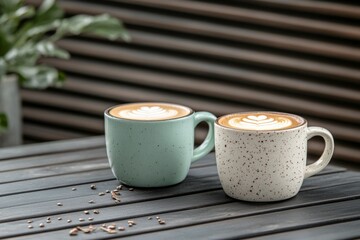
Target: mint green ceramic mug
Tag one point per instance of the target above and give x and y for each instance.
(152, 144)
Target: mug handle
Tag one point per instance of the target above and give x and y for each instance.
(208, 144)
(324, 160)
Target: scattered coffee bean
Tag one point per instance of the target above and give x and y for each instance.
(132, 222)
(91, 201)
(73, 189)
(131, 189)
(101, 193)
(81, 219)
(59, 204)
(86, 212)
(90, 218)
(41, 225)
(115, 197)
(30, 227)
(149, 218)
(48, 221)
(107, 191)
(119, 187)
(29, 221)
(112, 227)
(92, 186)
(162, 222)
(121, 228)
(69, 221)
(86, 230)
(96, 211)
(48, 218)
(157, 217)
(108, 230)
(73, 232)
(59, 218)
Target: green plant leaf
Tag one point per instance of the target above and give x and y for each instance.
(3, 122)
(108, 27)
(48, 11)
(40, 77)
(29, 53)
(48, 49)
(2, 68)
(46, 19)
(7, 6)
(5, 42)
(10, 21)
(102, 25)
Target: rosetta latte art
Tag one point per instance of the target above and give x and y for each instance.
(260, 122)
(148, 113)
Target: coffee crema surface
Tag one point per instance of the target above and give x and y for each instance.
(149, 111)
(258, 121)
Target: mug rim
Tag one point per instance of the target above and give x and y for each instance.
(304, 123)
(107, 112)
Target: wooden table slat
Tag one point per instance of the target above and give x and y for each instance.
(345, 230)
(51, 147)
(52, 159)
(257, 225)
(177, 214)
(34, 182)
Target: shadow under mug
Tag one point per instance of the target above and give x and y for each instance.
(155, 153)
(267, 165)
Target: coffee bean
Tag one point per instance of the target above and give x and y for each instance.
(157, 217)
(107, 191)
(90, 218)
(101, 193)
(73, 232)
(81, 219)
(149, 218)
(59, 218)
(162, 222)
(29, 221)
(96, 211)
(86, 212)
(93, 186)
(48, 218)
(119, 187)
(41, 225)
(131, 189)
(59, 204)
(48, 221)
(30, 227)
(73, 189)
(112, 227)
(69, 221)
(132, 222)
(91, 201)
(104, 225)
(121, 228)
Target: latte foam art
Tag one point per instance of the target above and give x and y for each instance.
(148, 113)
(260, 121)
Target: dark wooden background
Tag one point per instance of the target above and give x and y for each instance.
(221, 56)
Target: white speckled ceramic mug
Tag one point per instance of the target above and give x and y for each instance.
(261, 156)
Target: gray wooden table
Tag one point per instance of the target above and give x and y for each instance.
(36, 179)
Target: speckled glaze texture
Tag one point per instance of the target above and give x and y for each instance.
(264, 166)
(155, 153)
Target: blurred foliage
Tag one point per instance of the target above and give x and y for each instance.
(3, 122)
(28, 33)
